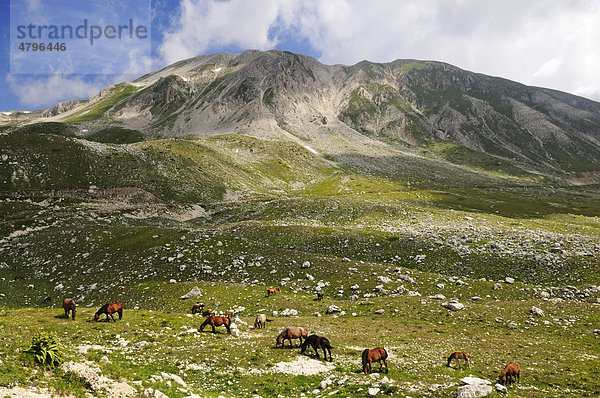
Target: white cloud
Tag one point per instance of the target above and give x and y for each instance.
(204, 25)
(513, 38)
(37, 92)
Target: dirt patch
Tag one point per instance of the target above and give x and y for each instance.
(28, 392)
(303, 366)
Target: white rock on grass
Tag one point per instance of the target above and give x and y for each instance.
(289, 312)
(373, 391)
(535, 311)
(310, 277)
(474, 391)
(332, 309)
(500, 388)
(475, 387)
(453, 305)
(175, 378)
(383, 279)
(497, 286)
(509, 280)
(152, 393)
(195, 292)
(306, 264)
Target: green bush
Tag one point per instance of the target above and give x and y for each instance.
(46, 349)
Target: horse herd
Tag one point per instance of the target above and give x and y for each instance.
(510, 374)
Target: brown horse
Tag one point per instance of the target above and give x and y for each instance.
(377, 354)
(217, 321)
(271, 291)
(465, 356)
(206, 313)
(198, 307)
(289, 334)
(261, 320)
(510, 374)
(317, 342)
(110, 309)
(69, 306)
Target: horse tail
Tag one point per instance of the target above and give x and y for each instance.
(385, 355)
(120, 311)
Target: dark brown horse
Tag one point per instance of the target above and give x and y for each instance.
(510, 374)
(319, 295)
(377, 354)
(198, 307)
(215, 321)
(69, 306)
(110, 309)
(290, 334)
(458, 356)
(317, 342)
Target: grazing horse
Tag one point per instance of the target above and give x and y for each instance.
(21, 277)
(110, 309)
(47, 299)
(260, 321)
(377, 354)
(317, 342)
(510, 374)
(271, 291)
(465, 356)
(289, 334)
(319, 295)
(198, 307)
(217, 321)
(69, 306)
(206, 313)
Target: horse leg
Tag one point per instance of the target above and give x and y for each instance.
(380, 365)
(519, 377)
(113, 318)
(120, 314)
(228, 329)
(214, 330)
(386, 367)
(330, 357)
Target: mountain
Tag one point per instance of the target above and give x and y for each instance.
(354, 115)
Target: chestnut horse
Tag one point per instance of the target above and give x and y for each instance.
(110, 309)
(261, 320)
(317, 342)
(271, 291)
(289, 334)
(465, 356)
(216, 321)
(377, 354)
(69, 306)
(510, 374)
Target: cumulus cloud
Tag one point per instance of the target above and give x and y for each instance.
(38, 92)
(518, 40)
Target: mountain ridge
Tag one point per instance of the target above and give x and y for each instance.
(403, 105)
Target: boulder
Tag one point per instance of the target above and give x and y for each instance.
(383, 279)
(454, 305)
(500, 388)
(195, 292)
(332, 309)
(373, 391)
(535, 311)
(306, 264)
(474, 391)
(509, 280)
(289, 312)
(497, 286)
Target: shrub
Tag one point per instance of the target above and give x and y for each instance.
(46, 349)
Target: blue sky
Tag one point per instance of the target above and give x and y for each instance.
(540, 42)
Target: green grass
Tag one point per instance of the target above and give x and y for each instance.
(98, 109)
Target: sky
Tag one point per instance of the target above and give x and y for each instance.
(545, 43)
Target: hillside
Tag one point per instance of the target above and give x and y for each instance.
(393, 188)
(367, 108)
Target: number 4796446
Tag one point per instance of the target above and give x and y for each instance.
(43, 46)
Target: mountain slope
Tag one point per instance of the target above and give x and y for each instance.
(368, 108)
